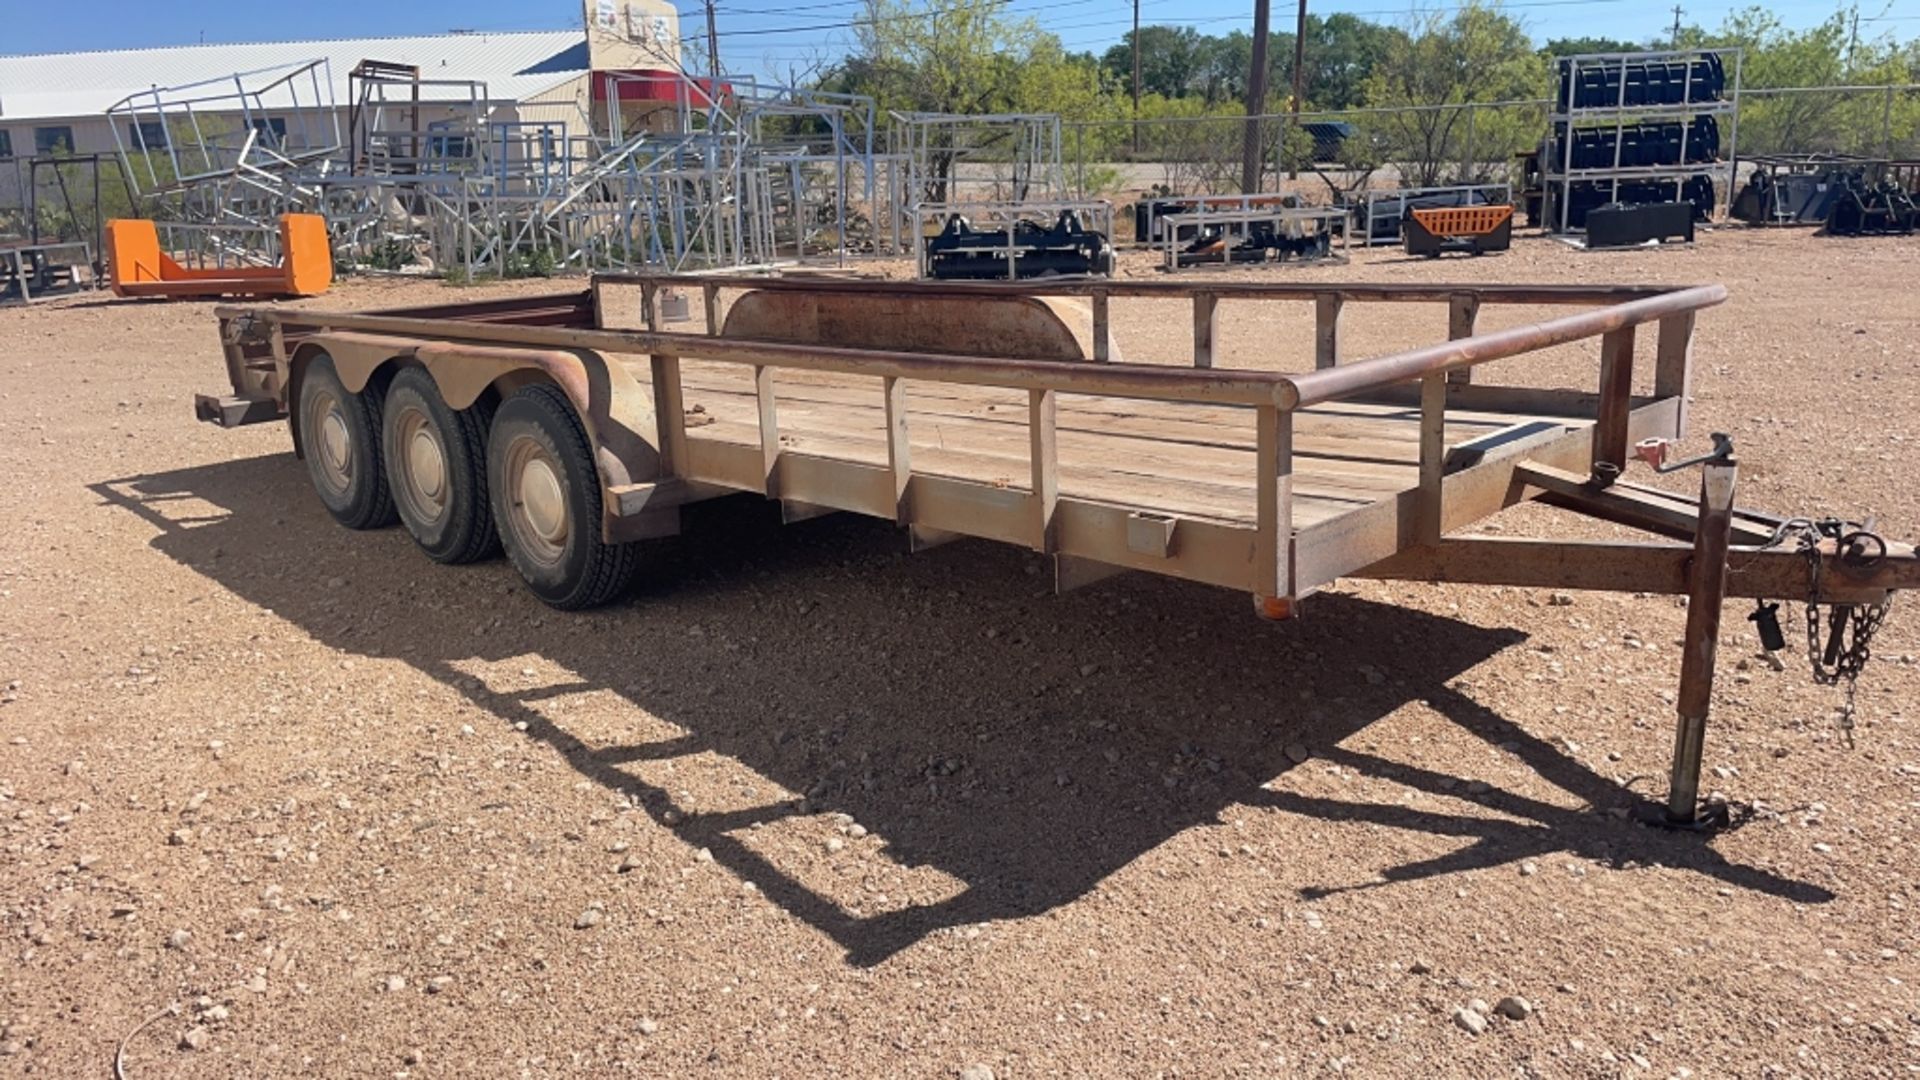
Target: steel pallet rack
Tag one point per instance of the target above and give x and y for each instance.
(1630, 80)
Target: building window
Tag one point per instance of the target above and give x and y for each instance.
(53, 140)
(6, 144)
(272, 129)
(146, 135)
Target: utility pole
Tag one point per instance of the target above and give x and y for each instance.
(1676, 26)
(713, 53)
(1299, 66)
(1250, 149)
(1135, 49)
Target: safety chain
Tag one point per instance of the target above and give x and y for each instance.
(1849, 627)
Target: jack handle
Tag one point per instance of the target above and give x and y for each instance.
(1654, 453)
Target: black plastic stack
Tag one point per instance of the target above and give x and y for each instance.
(1669, 142)
(1623, 115)
(1676, 81)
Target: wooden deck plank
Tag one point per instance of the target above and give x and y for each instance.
(1176, 458)
(1220, 499)
(1144, 457)
(1394, 440)
(1161, 421)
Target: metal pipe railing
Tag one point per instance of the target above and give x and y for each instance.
(1346, 380)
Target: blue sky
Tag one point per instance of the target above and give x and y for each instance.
(760, 35)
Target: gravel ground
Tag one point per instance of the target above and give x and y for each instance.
(805, 806)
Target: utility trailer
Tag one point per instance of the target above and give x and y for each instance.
(568, 427)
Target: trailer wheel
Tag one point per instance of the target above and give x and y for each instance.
(437, 467)
(340, 439)
(546, 502)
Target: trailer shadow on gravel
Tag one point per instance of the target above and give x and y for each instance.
(1024, 745)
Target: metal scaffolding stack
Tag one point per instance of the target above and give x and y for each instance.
(658, 169)
(834, 190)
(1006, 157)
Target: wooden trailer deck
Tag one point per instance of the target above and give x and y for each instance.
(1181, 459)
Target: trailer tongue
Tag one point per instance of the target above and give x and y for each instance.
(565, 433)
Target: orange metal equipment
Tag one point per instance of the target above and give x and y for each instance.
(137, 266)
(1474, 230)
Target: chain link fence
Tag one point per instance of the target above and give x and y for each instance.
(1865, 121)
(1318, 153)
(1315, 154)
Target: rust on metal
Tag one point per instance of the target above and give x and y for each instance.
(1706, 594)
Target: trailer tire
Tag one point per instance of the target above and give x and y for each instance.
(436, 462)
(340, 440)
(546, 502)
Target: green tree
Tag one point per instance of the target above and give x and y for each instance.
(1831, 53)
(964, 57)
(1476, 54)
(1341, 51)
(1579, 46)
(1225, 65)
(1171, 60)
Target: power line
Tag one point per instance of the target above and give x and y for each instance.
(1196, 21)
(912, 15)
(1210, 20)
(797, 7)
(1102, 23)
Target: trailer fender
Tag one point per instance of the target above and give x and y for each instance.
(615, 409)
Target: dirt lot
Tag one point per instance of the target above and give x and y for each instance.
(347, 813)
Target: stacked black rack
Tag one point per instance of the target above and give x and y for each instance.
(1647, 127)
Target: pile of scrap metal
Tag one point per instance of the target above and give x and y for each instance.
(962, 252)
(1475, 230)
(1259, 241)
